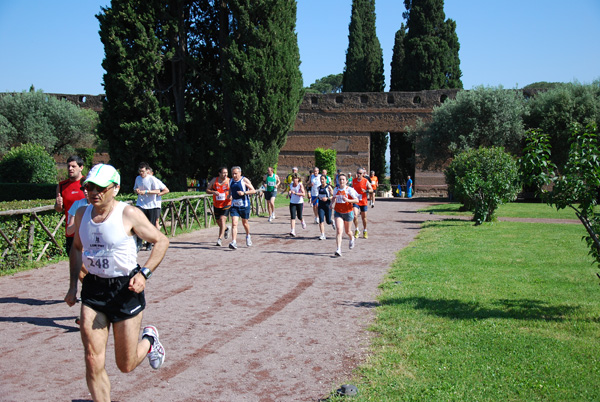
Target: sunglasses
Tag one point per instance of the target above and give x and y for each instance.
(91, 187)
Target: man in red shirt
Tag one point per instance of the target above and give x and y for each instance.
(363, 188)
(68, 191)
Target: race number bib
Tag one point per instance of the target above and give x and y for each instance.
(238, 203)
(221, 196)
(101, 262)
(339, 199)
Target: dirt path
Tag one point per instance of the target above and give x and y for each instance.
(281, 321)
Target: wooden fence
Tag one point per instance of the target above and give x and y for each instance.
(176, 213)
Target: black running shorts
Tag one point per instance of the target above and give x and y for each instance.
(112, 297)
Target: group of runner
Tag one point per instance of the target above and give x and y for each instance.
(231, 198)
(103, 252)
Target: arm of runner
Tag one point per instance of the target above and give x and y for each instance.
(249, 186)
(75, 261)
(164, 191)
(136, 222)
(209, 188)
(58, 204)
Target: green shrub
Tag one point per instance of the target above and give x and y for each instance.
(325, 159)
(87, 154)
(482, 180)
(28, 163)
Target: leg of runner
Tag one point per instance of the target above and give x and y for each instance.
(363, 215)
(339, 224)
(356, 211)
(234, 230)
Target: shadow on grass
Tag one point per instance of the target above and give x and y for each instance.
(518, 309)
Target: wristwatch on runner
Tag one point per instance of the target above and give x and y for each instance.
(146, 272)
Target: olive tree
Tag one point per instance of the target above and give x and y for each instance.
(481, 117)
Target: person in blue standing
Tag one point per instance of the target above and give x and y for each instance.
(240, 188)
(409, 187)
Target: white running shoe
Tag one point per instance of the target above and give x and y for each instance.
(322, 237)
(233, 245)
(248, 241)
(316, 220)
(156, 354)
(338, 252)
(351, 243)
(293, 233)
(219, 242)
(303, 225)
(356, 233)
(271, 218)
(226, 235)
(273, 215)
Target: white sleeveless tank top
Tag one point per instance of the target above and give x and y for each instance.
(108, 251)
(296, 199)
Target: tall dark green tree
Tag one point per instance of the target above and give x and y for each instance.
(430, 47)
(364, 69)
(193, 84)
(133, 122)
(425, 57)
(261, 80)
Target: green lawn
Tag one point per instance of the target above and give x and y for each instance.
(498, 312)
(513, 210)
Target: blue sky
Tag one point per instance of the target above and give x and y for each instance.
(55, 46)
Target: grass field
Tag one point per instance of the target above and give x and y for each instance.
(498, 312)
(513, 210)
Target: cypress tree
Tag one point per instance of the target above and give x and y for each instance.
(195, 84)
(430, 49)
(364, 69)
(133, 122)
(261, 81)
(425, 57)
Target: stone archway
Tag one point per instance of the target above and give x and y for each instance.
(344, 121)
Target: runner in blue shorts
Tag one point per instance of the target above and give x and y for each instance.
(240, 188)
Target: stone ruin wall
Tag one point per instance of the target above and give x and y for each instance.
(344, 121)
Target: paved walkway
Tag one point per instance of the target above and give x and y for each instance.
(281, 321)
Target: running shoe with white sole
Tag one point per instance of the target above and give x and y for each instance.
(338, 252)
(316, 220)
(365, 234)
(248, 241)
(156, 354)
(293, 233)
(233, 245)
(303, 225)
(356, 233)
(322, 237)
(226, 235)
(270, 218)
(219, 242)
(351, 243)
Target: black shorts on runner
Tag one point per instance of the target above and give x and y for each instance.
(219, 212)
(153, 214)
(112, 297)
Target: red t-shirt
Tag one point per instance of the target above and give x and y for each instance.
(361, 188)
(70, 192)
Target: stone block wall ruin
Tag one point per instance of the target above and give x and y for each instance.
(344, 121)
